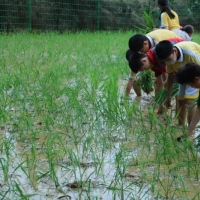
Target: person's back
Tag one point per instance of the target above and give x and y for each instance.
(169, 18)
(144, 43)
(167, 22)
(182, 34)
(161, 34)
(185, 32)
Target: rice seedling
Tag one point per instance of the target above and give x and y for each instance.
(63, 122)
(161, 96)
(145, 81)
(50, 152)
(4, 164)
(21, 193)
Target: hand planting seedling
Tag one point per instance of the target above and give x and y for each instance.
(145, 81)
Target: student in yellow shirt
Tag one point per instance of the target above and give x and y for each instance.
(190, 74)
(175, 56)
(169, 18)
(144, 43)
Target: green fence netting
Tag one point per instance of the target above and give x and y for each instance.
(92, 15)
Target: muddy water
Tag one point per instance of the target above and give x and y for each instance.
(29, 170)
(68, 173)
(173, 182)
(85, 170)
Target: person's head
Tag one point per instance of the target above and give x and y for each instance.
(162, 3)
(189, 74)
(139, 62)
(166, 52)
(163, 6)
(128, 54)
(188, 29)
(139, 42)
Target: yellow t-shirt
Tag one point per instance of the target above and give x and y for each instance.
(160, 34)
(171, 24)
(155, 37)
(189, 52)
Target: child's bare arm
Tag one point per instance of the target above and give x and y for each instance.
(170, 82)
(130, 84)
(193, 123)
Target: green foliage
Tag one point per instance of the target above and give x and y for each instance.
(92, 15)
(65, 126)
(161, 96)
(145, 80)
(148, 24)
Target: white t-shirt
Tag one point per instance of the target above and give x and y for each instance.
(182, 34)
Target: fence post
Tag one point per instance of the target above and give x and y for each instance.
(29, 15)
(98, 15)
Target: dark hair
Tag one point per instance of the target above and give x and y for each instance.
(128, 54)
(136, 42)
(188, 29)
(135, 62)
(187, 73)
(163, 49)
(164, 4)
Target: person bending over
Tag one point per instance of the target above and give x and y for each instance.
(143, 43)
(190, 74)
(185, 32)
(175, 56)
(139, 62)
(131, 79)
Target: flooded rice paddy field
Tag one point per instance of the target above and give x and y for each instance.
(67, 132)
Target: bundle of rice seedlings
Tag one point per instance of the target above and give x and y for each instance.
(145, 80)
(161, 96)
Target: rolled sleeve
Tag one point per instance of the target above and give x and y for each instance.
(164, 21)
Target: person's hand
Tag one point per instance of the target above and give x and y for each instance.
(168, 102)
(137, 89)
